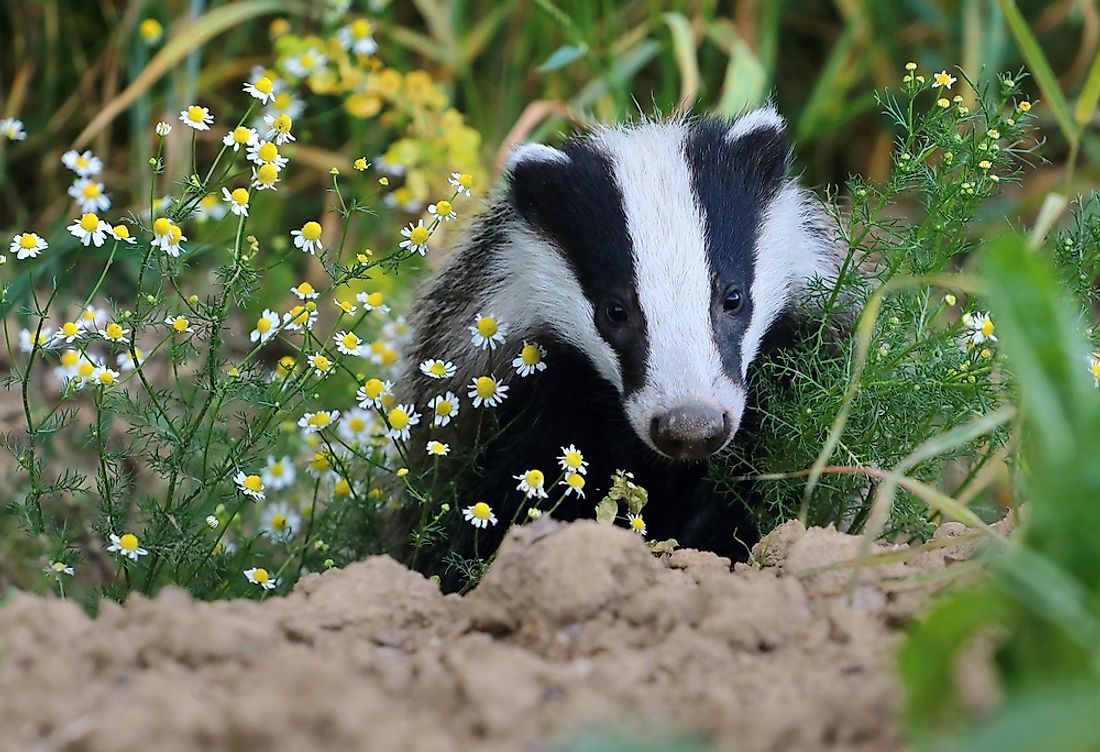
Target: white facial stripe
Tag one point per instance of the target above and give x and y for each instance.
(673, 275)
(543, 291)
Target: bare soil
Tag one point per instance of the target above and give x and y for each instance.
(575, 628)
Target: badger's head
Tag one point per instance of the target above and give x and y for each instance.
(664, 251)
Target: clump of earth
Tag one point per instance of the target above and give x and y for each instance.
(576, 630)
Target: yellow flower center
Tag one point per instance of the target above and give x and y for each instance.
(1096, 369)
(89, 222)
(27, 241)
(85, 369)
(360, 28)
(575, 481)
(482, 511)
(485, 386)
(438, 368)
(175, 235)
(239, 196)
(90, 190)
(267, 174)
(253, 483)
(321, 363)
(277, 470)
(305, 289)
(1024, 106)
(342, 488)
(444, 408)
(356, 424)
(150, 29)
(308, 61)
(573, 460)
(389, 356)
(534, 478)
(435, 447)
(466, 180)
(320, 462)
(180, 324)
(398, 418)
(419, 235)
(195, 114)
(360, 164)
(162, 226)
(319, 420)
(375, 299)
(261, 575)
(278, 522)
(487, 326)
(269, 152)
(350, 341)
(282, 123)
(265, 85)
(82, 161)
(299, 314)
(531, 355)
(69, 358)
(373, 388)
(282, 100)
(113, 331)
(311, 231)
(128, 542)
(241, 135)
(121, 231)
(637, 524)
(443, 208)
(58, 566)
(263, 326)
(70, 329)
(106, 378)
(987, 327)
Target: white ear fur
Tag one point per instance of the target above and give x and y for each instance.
(766, 117)
(524, 153)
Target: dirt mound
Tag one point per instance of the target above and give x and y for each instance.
(574, 628)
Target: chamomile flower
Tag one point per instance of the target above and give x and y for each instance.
(58, 568)
(401, 419)
(944, 79)
(280, 522)
(27, 338)
(151, 30)
(438, 369)
(444, 210)
(532, 483)
(320, 465)
(84, 164)
(88, 193)
(530, 359)
(212, 522)
(66, 370)
(266, 326)
(85, 367)
(126, 362)
(637, 524)
(122, 234)
(437, 448)
(262, 89)
(250, 485)
(104, 376)
(486, 332)
(307, 62)
(318, 421)
(358, 37)
(416, 238)
(1094, 368)
(574, 484)
(487, 391)
(397, 330)
(444, 408)
(12, 129)
(197, 117)
(264, 152)
(308, 239)
(572, 461)
(114, 332)
(240, 137)
(382, 353)
(278, 128)
(172, 246)
(480, 515)
(68, 333)
(346, 306)
(361, 164)
(356, 426)
(265, 178)
(162, 231)
(27, 245)
(304, 291)
(89, 230)
(348, 343)
(373, 301)
(300, 316)
(981, 326)
(237, 200)
(321, 364)
(163, 128)
(278, 474)
(373, 392)
(126, 545)
(1024, 106)
(260, 576)
(462, 182)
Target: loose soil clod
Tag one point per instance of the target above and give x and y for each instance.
(574, 628)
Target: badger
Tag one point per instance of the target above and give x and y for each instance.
(652, 263)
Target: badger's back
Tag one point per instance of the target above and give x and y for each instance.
(650, 263)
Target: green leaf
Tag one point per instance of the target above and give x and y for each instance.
(562, 57)
(746, 79)
(683, 45)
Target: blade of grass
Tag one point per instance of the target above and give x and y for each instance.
(686, 52)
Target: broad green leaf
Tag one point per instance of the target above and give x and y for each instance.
(562, 57)
(746, 80)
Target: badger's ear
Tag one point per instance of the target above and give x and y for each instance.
(759, 143)
(534, 154)
(538, 182)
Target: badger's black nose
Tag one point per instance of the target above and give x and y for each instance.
(691, 432)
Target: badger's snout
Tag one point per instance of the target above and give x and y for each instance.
(691, 431)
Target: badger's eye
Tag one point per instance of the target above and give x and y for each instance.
(615, 313)
(733, 301)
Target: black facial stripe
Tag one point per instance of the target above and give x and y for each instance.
(578, 206)
(734, 182)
